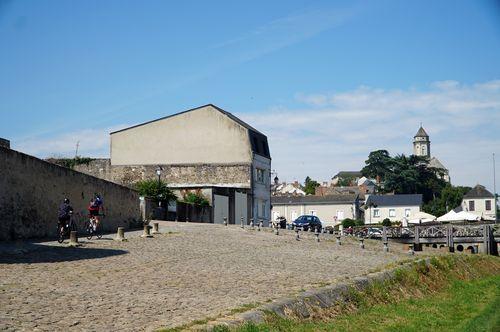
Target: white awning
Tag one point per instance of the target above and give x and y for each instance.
(421, 217)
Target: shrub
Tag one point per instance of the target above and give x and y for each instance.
(347, 222)
(154, 189)
(196, 198)
(386, 222)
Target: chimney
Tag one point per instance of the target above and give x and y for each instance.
(4, 143)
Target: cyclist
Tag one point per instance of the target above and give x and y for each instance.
(96, 206)
(65, 211)
(93, 209)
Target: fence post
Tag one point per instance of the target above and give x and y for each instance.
(252, 224)
(156, 228)
(242, 225)
(486, 239)
(416, 242)
(384, 239)
(449, 238)
(73, 239)
(225, 221)
(120, 235)
(338, 239)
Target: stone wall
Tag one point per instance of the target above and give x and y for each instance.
(31, 191)
(194, 175)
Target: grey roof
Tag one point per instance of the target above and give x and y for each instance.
(435, 163)
(395, 200)
(478, 191)
(421, 133)
(348, 173)
(330, 199)
(231, 116)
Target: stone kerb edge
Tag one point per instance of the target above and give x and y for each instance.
(307, 302)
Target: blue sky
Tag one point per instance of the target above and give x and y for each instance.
(327, 81)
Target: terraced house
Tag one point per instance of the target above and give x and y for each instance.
(205, 149)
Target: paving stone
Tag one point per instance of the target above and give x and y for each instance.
(197, 271)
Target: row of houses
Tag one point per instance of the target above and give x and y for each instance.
(375, 208)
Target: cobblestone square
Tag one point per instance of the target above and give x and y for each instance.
(189, 272)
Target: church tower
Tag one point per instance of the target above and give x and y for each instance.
(421, 143)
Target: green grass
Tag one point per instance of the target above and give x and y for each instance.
(463, 306)
(453, 293)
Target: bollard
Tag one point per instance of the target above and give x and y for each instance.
(187, 219)
(362, 243)
(316, 233)
(338, 239)
(73, 239)
(146, 232)
(120, 235)
(252, 225)
(386, 247)
(225, 221)
(261, 225)
(297, 236)
(156, 228)
(277, 232)
(242, 225)
(411, 252)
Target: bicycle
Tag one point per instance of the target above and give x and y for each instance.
(93, 227)
(65, 230)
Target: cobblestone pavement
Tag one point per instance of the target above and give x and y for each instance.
(190, 271)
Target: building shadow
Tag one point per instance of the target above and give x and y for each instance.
(33, 253)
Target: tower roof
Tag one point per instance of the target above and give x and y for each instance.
(421, 133)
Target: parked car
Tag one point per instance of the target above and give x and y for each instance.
(305, 222)
(374, 232)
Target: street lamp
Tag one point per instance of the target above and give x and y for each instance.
(158, 172)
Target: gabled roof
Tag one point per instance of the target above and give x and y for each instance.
(394, 200)
(435, 163)
(297, 200)
(479, 191)
(231, 116)
(421, 133)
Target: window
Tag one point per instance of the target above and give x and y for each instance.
(471, 205)
(488, 205)
(407, 212)
(260, 175)
(376, 213)
(392, 212)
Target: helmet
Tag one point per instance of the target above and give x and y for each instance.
(66, 201)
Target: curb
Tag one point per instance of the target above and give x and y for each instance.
(306, 303)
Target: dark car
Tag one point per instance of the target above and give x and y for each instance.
(306, 222)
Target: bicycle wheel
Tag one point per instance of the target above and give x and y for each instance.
(90, 229)
(98, 231)
(60, 233)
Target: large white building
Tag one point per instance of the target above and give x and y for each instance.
(206, 150)
(393, 207)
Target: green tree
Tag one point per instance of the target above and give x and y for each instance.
(310, 186)
(346, 180)
(449, 198)
(154, 189)
(411, 175)
(378, 165)
(386, 222)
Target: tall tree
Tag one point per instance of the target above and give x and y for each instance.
(310, 186)
(450, 198)
(378, 165)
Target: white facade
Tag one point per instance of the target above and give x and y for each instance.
(480, 206)
(375, 215)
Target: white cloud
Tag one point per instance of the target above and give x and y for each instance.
(91, 143)
(336, 131)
